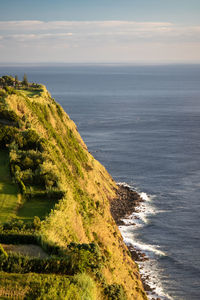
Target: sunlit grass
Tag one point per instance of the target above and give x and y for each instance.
(8, 190)
(31, 93)
(35, 207)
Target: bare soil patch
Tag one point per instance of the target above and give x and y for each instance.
(29, 250)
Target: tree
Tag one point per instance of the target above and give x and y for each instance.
(9, 80)
(16, 80)
(25, 80)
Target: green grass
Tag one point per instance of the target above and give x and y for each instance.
(31, 93)
(35, 207)
(8, 191)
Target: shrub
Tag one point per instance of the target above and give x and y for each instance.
(9, 115)
(14, 225)
(36, 223)
(31, 140)
(7, 135)
(16, 263)
(85, 257)
(115, 292)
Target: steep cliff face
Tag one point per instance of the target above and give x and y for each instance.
(58, 167)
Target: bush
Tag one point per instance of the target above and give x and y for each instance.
(85, 257)
(115, 292)
(36, 223)
(7, 135)
(9, 115)
(14, 225)
(10, 90)
(15, 263)
(31, 140)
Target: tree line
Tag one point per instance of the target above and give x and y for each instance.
(13, 81)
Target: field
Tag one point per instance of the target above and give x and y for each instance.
(31, 93)
(9, 195)
(35, 207)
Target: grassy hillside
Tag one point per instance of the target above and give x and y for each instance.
(61, 183)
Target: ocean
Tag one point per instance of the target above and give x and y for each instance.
(143, 124)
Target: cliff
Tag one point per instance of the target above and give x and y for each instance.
(54, 177)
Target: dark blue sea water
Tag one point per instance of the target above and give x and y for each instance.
(143, 124)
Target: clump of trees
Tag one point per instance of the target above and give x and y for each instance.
(9, 81)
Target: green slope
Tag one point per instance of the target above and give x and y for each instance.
(69, 190)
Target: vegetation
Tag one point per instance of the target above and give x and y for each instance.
(55, 195)
(40, 286)
(9, 197)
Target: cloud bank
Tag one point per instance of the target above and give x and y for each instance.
(97, 41)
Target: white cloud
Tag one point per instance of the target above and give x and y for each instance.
(134, 30)
(111, 39)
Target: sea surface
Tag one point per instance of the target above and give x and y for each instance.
(143, 124)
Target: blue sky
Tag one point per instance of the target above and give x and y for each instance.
(183, 11)
(100, 31)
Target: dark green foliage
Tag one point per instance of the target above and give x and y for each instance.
(9, 115)
(7, 135)
(31, 140)
(25, 80)
(15, 263)
(14, 225)
(36, 223)
(3, 253)
(78, 259)
(51, 194)
(21, 185)
(18, 238)
(7, 81)
(29, 159)
(2, 94)
(26, 140)
(85, 257)
(16, 80)
(10, 90)
(115, 292)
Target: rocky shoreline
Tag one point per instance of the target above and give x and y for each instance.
(127, 202)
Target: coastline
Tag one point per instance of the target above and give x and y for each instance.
(128, 201)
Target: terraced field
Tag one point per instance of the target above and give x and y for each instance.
(35, 207)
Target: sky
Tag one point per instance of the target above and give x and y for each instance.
(103, 31)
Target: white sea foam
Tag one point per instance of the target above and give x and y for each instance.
(129, 238)
(125, 185)
(144, 196)
(149, 271)
(149, 268)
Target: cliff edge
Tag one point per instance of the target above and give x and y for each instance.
(58, 198)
